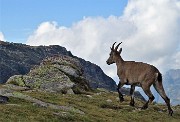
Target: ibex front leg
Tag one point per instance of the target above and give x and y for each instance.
(120, 94)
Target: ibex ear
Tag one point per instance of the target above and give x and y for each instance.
(120, 50)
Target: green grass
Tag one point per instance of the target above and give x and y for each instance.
(96, 109)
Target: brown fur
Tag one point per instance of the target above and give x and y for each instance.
(137, 74)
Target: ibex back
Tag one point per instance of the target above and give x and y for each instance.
(137, 74)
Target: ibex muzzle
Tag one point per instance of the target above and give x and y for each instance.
(137, 74)
(110, 60)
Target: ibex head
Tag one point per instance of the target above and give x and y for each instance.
(113, 54)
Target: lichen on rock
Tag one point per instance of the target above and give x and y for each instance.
(16, 80)
(61, 74)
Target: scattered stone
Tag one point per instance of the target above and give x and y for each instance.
(109, 100)
(160, 111)
(133, 110)
(102, 90)
(70, 91)
(117, 98)
(14, 105)
(99, 93)
(62, 114)
(89, 96)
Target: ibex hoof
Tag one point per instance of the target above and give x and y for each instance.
(144, 107)
(131, 104)
(170, 112)
(121, 99)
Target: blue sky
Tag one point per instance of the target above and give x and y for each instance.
(19, 18)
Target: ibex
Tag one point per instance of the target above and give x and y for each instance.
(137, 74)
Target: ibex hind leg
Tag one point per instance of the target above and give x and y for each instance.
(132, 95)
(159, 88)
(149, 94)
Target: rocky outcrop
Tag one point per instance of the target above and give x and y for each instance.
(59, 74)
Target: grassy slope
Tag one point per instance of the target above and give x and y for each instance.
(96, 108)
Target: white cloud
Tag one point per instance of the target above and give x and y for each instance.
(176, 58)
(2, 37)
(158, 32)
(149, 31)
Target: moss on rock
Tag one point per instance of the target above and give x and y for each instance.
(16, 80)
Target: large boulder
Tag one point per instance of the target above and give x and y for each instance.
(61, 74)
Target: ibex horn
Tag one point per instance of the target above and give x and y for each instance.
(117, 46)
(113, 45)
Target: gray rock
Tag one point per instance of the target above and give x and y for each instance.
(109, 100)
(58, 87)
(69, 70)
(70, 91)
(89, 96)
(4, 99)
(6, 92)
(37, 102)
(16, 87)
